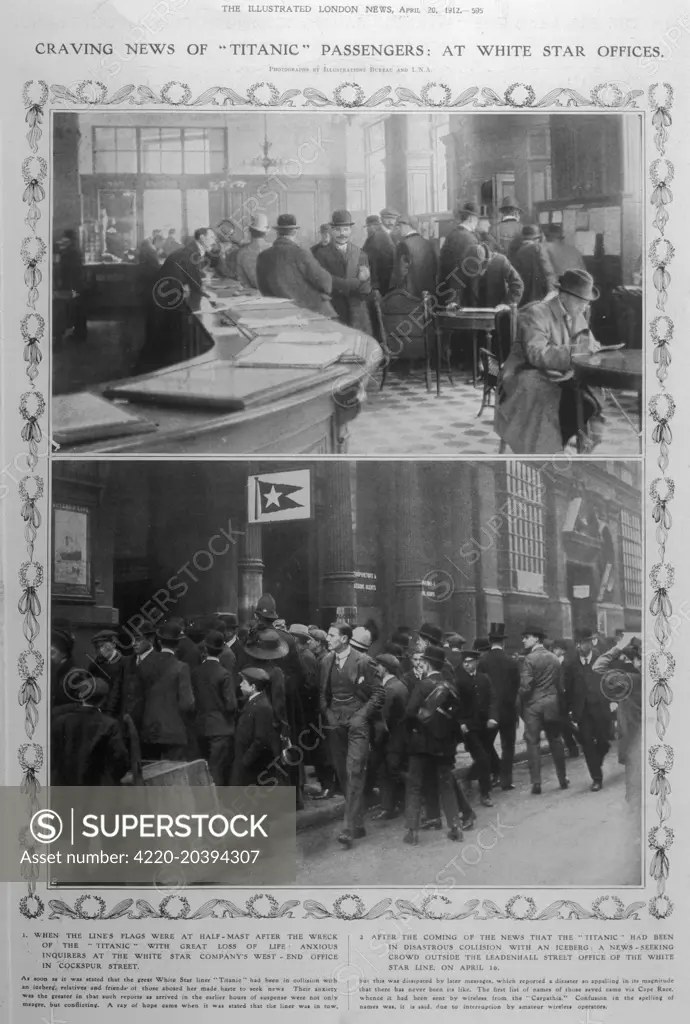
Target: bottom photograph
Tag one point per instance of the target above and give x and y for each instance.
(443, 660)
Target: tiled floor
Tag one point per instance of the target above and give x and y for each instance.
(406, 419)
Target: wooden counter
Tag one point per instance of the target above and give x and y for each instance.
(214, 404)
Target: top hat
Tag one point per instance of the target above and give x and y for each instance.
(531, 231)
(63, 639)
(436, 656)
(297, 629)
(341, 219)
(361, 639)
(259, 677)
(286, 221)
(214, 642)
(373, 218)
(169, 630)
(390, 663)
(434, 634)
(578, 283)
(259, 222)
(497, 632)
(265, 645)
(509, 204)
(534, 629)
(104, 636)
(266, 608)
(481, 644)
(388, 212)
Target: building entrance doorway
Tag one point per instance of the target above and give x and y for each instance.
(288, 569)
(582, 596)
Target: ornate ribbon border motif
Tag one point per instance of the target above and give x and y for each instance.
(31, 662)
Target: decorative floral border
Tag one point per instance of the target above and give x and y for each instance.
(32, 407)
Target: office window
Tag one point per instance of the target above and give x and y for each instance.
(631, 534)
(203, 150)
(161, 150)
(114, 151)
(525, 525)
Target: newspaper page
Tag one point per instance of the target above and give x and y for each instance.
(344, 605)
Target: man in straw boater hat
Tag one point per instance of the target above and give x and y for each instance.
(287, 271)
(535, 410)
(167, 698)
(351, 695)
(539, 696)
(348, 267)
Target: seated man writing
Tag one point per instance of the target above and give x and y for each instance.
(536, 410)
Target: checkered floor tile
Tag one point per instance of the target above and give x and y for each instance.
(406, 419)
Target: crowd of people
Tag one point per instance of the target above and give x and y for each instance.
(345, 711)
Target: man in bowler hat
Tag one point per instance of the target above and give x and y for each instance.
(287, 271)
(504, 675)
(460, 259)
(509, 233)
(215, 705)
(541, 706)
(349, 269)
(167, 698)
(588, 705)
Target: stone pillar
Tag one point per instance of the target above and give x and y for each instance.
(250, 572)
(67, 199)
(489, 526)
(338, 581)
(463, 555)
(419, 160)
(410, 567)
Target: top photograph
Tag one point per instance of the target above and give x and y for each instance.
(360, 283)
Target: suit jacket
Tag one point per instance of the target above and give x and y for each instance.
(86, 748)
(504, 675)
(534, 267)
(455, 282)
(540, 678)
(582, 686)
(256, 741)
(500, 283)
(349, 293)
(114, 673)
(188, 652)
(289, 272)
(185, 266)
(527, 411)
(246, 261)
(215, 700)
(475, 695)
(509, 236)
(564, 257)
(358, 668)
(168, 696)
(423, 265)
(380, 250)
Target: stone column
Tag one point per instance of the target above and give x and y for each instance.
(410, 566)
(463, 554)
(250, 572)
(489, 526)
(337, 584)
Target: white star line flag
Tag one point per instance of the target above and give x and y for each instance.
(272, 497)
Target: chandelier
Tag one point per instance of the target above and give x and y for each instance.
(265, 160)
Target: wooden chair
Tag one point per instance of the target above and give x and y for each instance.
(492, 359)
(431, 322)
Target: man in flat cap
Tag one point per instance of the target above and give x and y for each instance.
(111, 666)
(535, 408)
(460, 259)
(287, 271)
(257, 740)
(349, 269)
(539, 695)
(249, 252)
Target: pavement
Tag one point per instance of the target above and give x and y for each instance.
(561, 838)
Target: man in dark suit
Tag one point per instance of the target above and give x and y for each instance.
(350, 696)
(588, 705)
(287, 271)
(324, 238)
(504, 675)
(167, 698)
(86, 744)
(459, 261)
(474, 692)
(415, 260)
(110, 665)
(257, 743)
(215, 704)
(389, 739)
(533, 265)
(499, 282)
(509, 231)
(379, 248)
(540, 703)
(348, 267)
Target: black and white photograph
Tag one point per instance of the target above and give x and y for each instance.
(442, 659)
(356, 283)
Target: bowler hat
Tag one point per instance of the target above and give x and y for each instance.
(286, 221)
(583, 634)
(361, 639)
(436, 656)
(533, 629)
(104, 636)
(470, 208)
(297, 629)
(434, 634)
(531, 232)
(373, 218)
(63, 639)
(171, 630)
(257, 676)
(389, 662)
(471, 655)
(389, 212)
(265, 645)
(341, 219)
(259, 222)
(214, 642)
(578, 283)
(481, 644)
(509, 204)
(266, 608)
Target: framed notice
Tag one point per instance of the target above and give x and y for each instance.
(72, 576)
